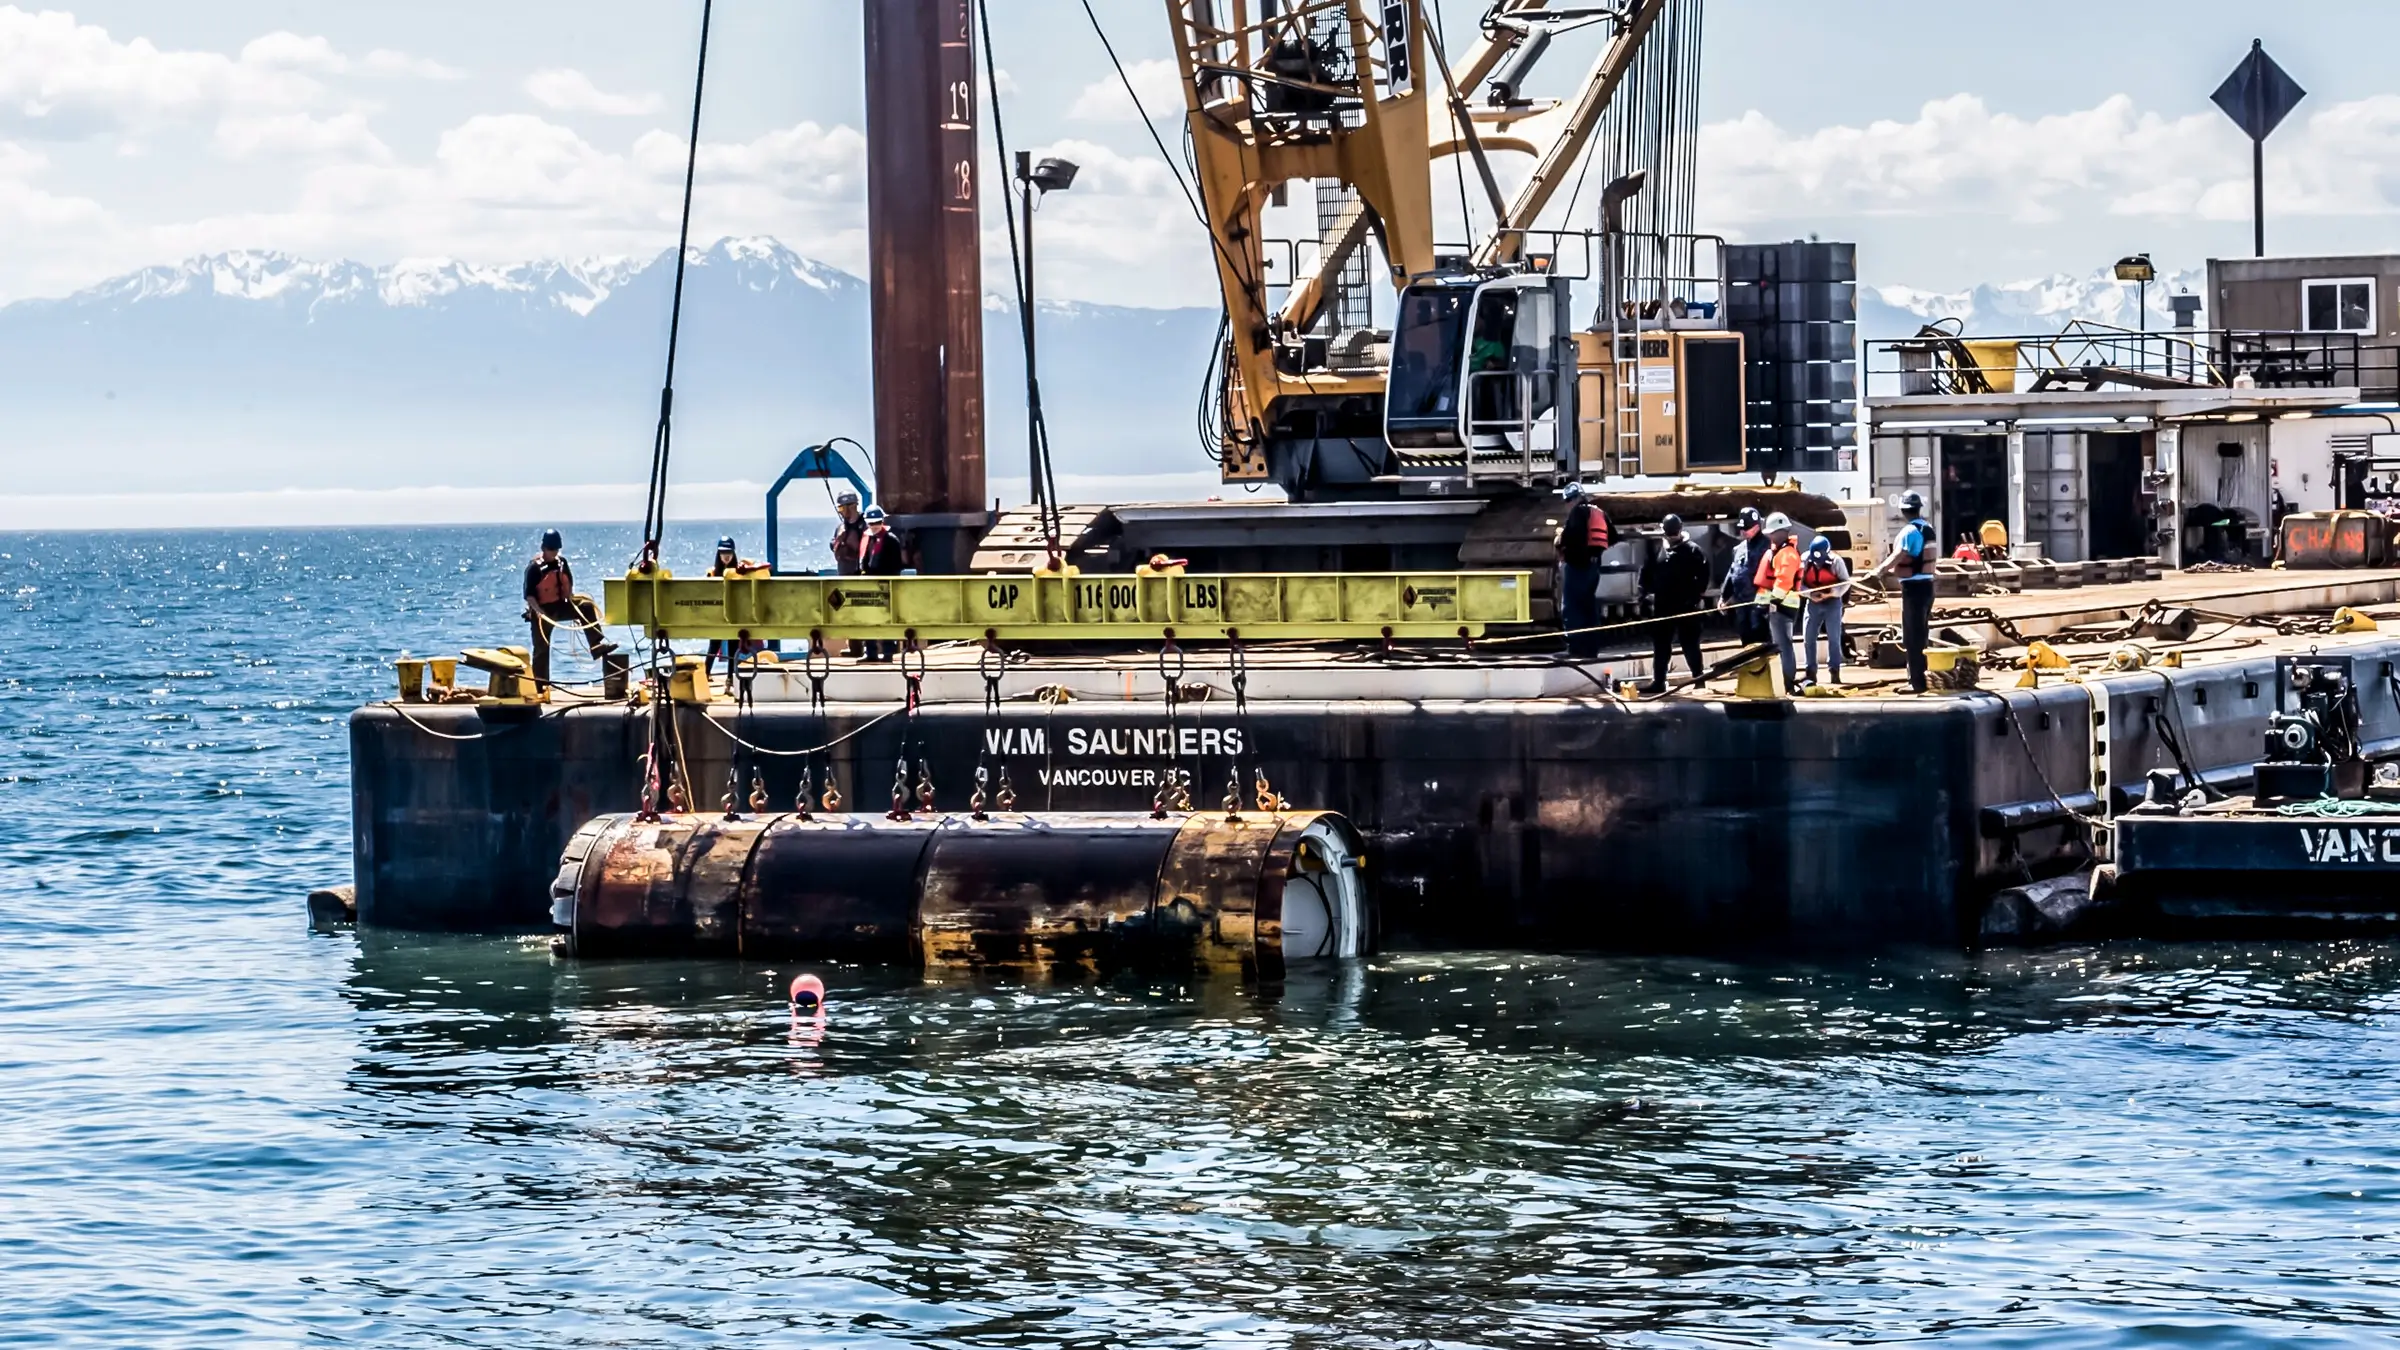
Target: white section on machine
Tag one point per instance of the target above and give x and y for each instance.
(1324, 915)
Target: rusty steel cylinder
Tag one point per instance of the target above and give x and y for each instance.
(1070, 894)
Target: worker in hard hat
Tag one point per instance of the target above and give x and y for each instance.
(1824, 589)
(849, 533)
(728, 562)
(1778, 583)
(879, 555)
(1675, 581)
(551, 602)
(1582, 542)
(1737, 592)
(1911, 560)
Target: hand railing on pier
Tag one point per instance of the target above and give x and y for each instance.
(2086, 355)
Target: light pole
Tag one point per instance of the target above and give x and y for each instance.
(1035, 181)
(2137, 269)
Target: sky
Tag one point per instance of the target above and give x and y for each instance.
(1957, 144)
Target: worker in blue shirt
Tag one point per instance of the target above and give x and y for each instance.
(1911, 560)
(1738, 592)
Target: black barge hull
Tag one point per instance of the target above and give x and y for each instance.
(2229, 871)
(1548, 823)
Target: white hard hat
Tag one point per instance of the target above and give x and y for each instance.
(1778, 523)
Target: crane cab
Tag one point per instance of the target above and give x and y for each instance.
(1483, 373)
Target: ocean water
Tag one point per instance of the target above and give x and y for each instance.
(218, 1128)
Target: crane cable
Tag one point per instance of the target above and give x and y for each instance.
(654, 505)
(1466, 216)
(1044, 484)
(1190, 198)
(654, 511)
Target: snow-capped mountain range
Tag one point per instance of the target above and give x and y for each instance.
(2041, 305)
(260, 369)
(578, 286)
(257, 369)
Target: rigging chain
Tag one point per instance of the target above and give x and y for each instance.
(1174, 790)
(991, 663)
(819, 668)
(916, 700)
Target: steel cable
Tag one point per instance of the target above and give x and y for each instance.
(654, 512)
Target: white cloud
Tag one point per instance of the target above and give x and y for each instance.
(29, 211)
(64, 79)
(506, 187)
(385, 61)
(1959, 158)
(294, 52)
(573, 91)
(1122, 235)
(242, 136)
(1160, 84)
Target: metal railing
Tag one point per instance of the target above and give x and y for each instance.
(2087, 356)
(1509, 397)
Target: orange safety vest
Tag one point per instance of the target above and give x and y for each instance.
(1818, 576)
(1780, 571)
(555, 585)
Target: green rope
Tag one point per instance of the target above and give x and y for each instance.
(2336, 808)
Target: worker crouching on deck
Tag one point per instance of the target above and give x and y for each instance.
(1778, 583)
(1676, 580)
(1583, 538)
(551, 602)
(1911, 560)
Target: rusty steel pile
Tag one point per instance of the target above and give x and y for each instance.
(1071, 894)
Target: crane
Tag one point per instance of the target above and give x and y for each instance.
(1486, 371)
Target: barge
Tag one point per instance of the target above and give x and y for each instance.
(1510, 800)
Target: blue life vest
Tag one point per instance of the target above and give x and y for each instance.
(1916, 538)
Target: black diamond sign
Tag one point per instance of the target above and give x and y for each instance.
(2258, 95)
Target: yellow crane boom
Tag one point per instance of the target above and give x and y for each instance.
(1339, 90)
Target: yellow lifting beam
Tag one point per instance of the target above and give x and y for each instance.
(1080, 608)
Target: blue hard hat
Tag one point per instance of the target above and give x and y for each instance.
(725, 543)
(551, 539)
(1911, 502)
(1820, 547)
(1571, 490)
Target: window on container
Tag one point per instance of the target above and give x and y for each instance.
(2345, 305)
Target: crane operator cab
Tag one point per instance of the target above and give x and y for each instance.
(1483, 375)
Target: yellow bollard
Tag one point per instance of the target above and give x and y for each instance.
(1762, 678)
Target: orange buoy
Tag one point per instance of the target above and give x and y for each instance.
(808, 994)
